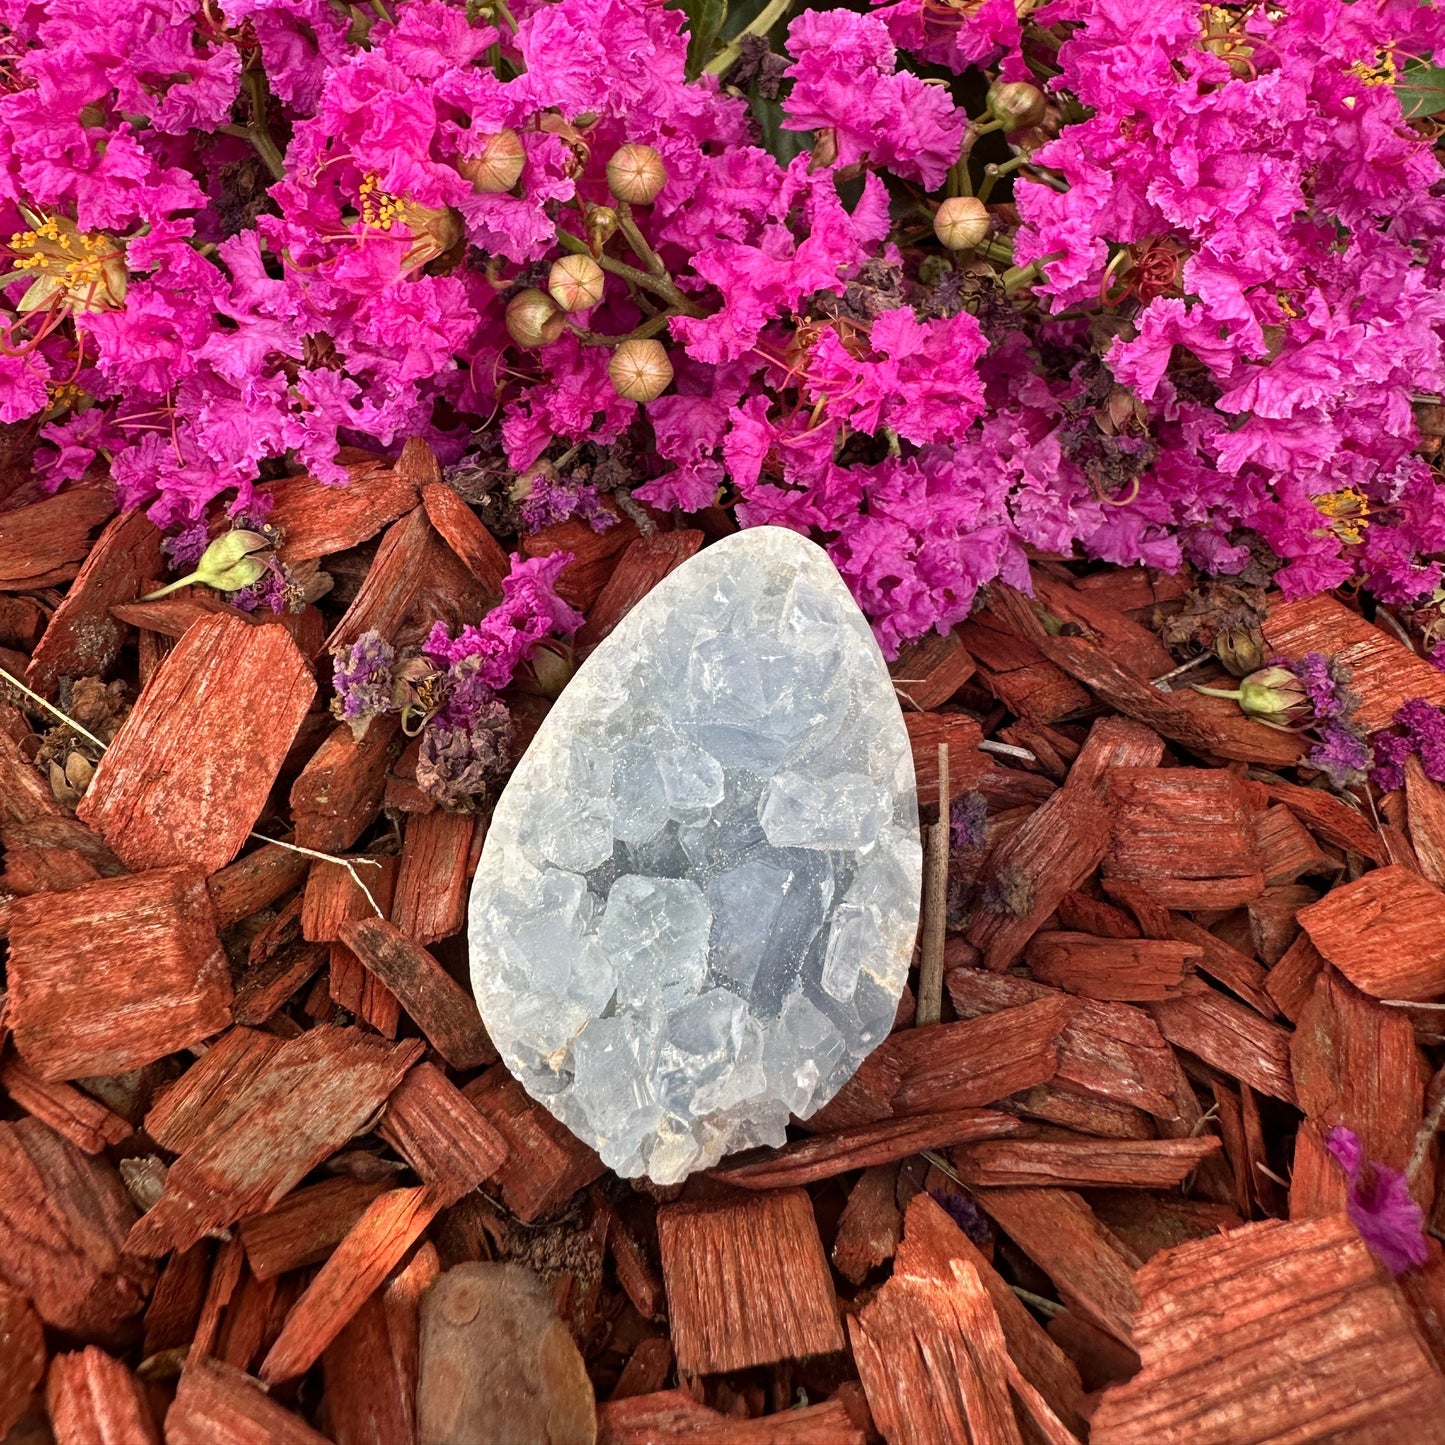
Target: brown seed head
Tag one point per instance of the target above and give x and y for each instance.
(533, 318)
(636, 174)
(498, 165)
(640, 370)
(576, 283)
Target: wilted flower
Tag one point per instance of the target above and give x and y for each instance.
(1380, 1205)
(362, 677)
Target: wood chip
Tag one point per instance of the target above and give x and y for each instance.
(92, 1399)
(338, 794)
(1287, 851)
(63, 1223)
(1080, 1163)
(1014, 670)
(444, 1011)
(334, 898)
(747, 1281)
(22, 1355)
(1331, 819)
(462, 531)
(306, 1225)
(870, 1226)
(928, 672)
(190, 770)
(303, 1102)
(355, 1270)
(430, 901)
(42, 544)
(1383, 933)
(217, 1404)
(546, 1164)
(1092, 1270)
(1109, 968)
(1056, 848)
(929, 1347)
(317, 519)
(594, 555)
(966, 765)
(828, 1155)
(642, 565)
(74, 1115)
(1229, 1036)
(673, 1417)
(254, 882)
(1225, 1324)
(79, 1005)
(438, 1131)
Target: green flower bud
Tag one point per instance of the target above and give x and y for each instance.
(533, 318)
(230, 563)
(576, 283)
(1016, 104)
(1273, 695)
(636, 174)
(640, 370)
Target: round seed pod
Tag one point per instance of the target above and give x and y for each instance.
(961, 222)
(640, 370)
(1016, 103)
(636, 174)
(533, 318)
(576, 282)
(498, 165)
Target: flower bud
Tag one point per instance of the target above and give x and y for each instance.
(533, 318)
(640, 370)
(601, 225)
(636, 174)
(961, 222)
(1273, 695)
(1240, 649)
(553, 667)
(575, 283)
(1016, 104)
(228, 564)
(498, 165)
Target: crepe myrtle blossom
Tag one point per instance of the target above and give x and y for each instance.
(1192, 317)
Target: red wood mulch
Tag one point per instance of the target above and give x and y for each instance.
(245, 1123)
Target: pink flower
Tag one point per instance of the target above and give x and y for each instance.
(1380, 1205)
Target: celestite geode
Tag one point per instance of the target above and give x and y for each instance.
(697, 902)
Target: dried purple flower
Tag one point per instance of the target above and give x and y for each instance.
(1419, 728)
(362, 675)
(965, 1214)
(460, 766)
(1324, 684)
(1341, 754)
(968, 822)
(183, 549)
(1380, 1205)
(555, 499)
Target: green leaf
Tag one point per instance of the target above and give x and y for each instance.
(1421, 90)
(705, 21)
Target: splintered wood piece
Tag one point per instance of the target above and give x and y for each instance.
(870, 1226)
(828, 1155)
(306, 1225)
(747, 1281)
(594, 555)
(640, 1281)
(433, 1126)
(929, 1346)
(462, 530)
(22, 1355)
(444, 1011)
(962, 735)
(1115, 742)
(1018, 674)
(1109, 1049)
(1109, 968)
(190, 770)
(264, 987)
(116, 973)
(92, 1399)
(928, 672)
(1050, 854)
(1383, 671)
(392, 1223)
(1082, 1111)
(82, 639)
(212, 1092)
(254, 882)
(1079, 913)
(371, 1367)
(1229, 1037)
(1331, 819)
(86, 1122)
(1092, 1270)
(337, 795)
(1134, 646)
(672, 1417)
(318, 519)
(1273, 921)
(1224, 963)
(63, 1223)
(1383, 933)
(1356, 1063)
(42, 544)
(648, 1369)
(217, 1404)
(22, 620)
(1425, 805)
(1210, 725)
(645, 562)
(333, 897)
(1187, 834)
(546, 1163)
(305, 1101)
(362, 993)
(24, 797)
(174, 1312)
(415, 579)
(430, 901)
(1287, 851)
(1081, 1163)
(1226, 1326)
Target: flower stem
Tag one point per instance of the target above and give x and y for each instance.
(767, 18)
(992, 173)
(662, 285)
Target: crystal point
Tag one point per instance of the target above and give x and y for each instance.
(696, 905)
